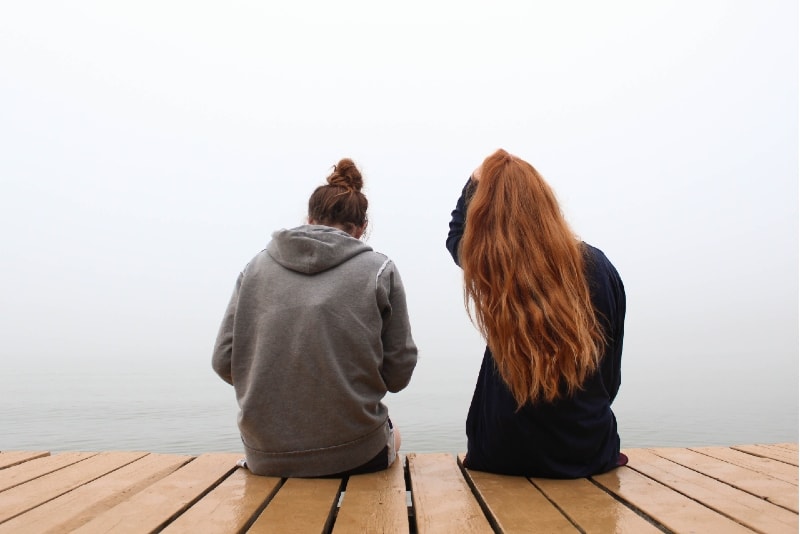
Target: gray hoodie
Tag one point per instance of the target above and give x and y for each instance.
(315, 334)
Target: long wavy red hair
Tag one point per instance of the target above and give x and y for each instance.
(524, 277)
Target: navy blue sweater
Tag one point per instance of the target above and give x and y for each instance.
(570, 438)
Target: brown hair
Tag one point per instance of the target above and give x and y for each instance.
(524, 275)
(340, 202)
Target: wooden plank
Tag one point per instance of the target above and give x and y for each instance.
(768, 466)
(663, 505)
(442, 498)
(761, 485)
(743, 507)
(301, 505)
(153, 507)
(21, 473)
(766, 451)
(11, 458)
(375, 502)
(71, 510)
(514, 504)
(790, 446)
(230, 507)
(21, 498)
(592, 508)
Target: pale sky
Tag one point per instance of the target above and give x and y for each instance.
(148, 150)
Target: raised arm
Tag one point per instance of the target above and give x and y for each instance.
(457, 218)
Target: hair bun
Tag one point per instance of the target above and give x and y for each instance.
(345, 174)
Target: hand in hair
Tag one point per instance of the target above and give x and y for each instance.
(476, 174)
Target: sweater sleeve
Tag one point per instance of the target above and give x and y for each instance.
(613, 359)
(457, 219)
(223, 347)
(399, 350)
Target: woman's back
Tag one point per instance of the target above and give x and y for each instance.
(551, 309)
(315, 334)
(574, 436)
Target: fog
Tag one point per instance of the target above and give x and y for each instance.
(149, 150)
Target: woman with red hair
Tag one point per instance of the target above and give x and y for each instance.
(552, 311)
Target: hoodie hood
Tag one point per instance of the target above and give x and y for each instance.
(310, 249)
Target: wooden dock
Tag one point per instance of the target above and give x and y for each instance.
(742, 488)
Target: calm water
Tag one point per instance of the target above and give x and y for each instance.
(186, 409)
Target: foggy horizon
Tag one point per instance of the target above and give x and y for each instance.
(150, 150)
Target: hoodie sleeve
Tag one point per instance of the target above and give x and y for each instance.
(223, 347)
(399, 350)
(457, 219)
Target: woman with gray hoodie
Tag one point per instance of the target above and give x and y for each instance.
(315, 334)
